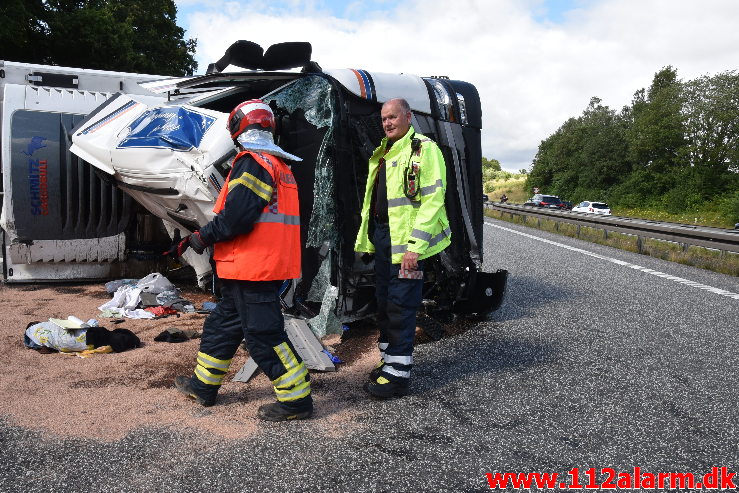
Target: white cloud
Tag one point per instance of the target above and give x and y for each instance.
(531, 76)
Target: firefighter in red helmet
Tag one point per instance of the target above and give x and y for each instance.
(256, 246)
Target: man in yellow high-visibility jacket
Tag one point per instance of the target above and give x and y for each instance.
(404, 222)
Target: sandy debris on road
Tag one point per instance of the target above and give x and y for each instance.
(107, 395)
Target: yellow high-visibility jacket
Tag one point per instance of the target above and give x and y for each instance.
(420, 224)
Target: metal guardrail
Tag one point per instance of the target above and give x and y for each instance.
(685, 234)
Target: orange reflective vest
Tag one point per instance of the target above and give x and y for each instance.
(270, 251)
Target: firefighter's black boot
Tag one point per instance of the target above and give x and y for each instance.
(382, 388)
(376, 371)
(183, 385)
(278, 412)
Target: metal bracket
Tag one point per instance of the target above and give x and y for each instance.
(306, 344)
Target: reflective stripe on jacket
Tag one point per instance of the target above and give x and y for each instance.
(420, 224)
(271, 250)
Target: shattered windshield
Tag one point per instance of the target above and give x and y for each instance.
(310, 102)
(313, 95)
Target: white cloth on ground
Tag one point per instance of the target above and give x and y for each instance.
(124, 303)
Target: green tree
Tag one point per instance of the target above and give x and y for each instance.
(489, 168)
(157, 44)
(22, 30)
(585, 157)
(657, 132)
(711, 114)
(491, 163)
(133, 36)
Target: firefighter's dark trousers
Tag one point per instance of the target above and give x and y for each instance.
(250, 310)
(398, 301)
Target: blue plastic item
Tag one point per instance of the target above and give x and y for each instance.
(334, 359)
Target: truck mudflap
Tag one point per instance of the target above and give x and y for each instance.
(482, 294)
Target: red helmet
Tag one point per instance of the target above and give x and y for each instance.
(250, 114)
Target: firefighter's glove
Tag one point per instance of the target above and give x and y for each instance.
(193, 241)
(196, 242)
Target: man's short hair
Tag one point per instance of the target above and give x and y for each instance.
(404, 106)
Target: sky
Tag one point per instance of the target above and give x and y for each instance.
(535, 63)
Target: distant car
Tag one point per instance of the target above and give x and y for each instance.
(485, 198)
(568, 205)
(549, 201)
(593, 208)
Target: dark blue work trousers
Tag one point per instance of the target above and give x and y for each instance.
(248, 310)
(398, 301)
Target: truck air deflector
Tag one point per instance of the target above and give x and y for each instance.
(251, 56)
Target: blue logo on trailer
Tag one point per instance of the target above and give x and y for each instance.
(36, 143)
(38, 183)
(177, 128)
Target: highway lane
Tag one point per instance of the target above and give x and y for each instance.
(591, 362)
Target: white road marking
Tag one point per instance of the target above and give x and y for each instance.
(657, 273)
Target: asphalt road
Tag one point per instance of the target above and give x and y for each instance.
(597, 359)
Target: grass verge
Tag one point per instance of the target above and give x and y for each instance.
(704, 258)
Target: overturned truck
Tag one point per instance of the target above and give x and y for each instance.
(172, 156)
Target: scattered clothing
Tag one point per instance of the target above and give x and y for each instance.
(168, 298)
(154, 290)
(114, 314)
(174, 300)
(91, 352)
(334, 359)
(112, 286)
(149, 299)
(124, 303)
(50, 335)
(183, 307)
(119, 312)
(161, 311)
(209, 306)
(174, 334)
(118, 339)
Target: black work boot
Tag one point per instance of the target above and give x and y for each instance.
(377, 371)
(382, 388)
(277, 412)
(183, 385)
